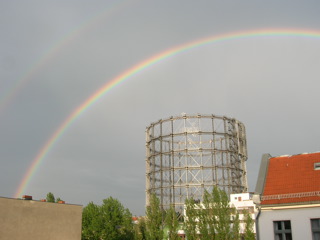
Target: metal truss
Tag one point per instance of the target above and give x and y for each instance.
(188, 154)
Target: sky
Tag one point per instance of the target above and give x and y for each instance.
(54, 55)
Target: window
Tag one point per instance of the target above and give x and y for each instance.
(282, 230)
(315, 228)
(317, 166)
(251, 209)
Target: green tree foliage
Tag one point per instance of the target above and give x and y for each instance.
(212, 219)
(207, 220)
(92, 223)
(140, 230)
(249, 223)
(154, 224)
(226, 217)
(191, 216)
(109, 221)
(172, 223)
(235, 234)
(222, 213)
(50, 197)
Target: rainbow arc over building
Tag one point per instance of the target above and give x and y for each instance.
(140, 67)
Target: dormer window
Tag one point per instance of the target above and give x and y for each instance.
(317, 166)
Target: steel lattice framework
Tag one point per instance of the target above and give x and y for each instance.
(188, 154)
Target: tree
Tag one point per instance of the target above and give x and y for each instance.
(249, 223)
(117, 220)
(109, 221)
(207, 220)
(140, 230)
(50, 197)
(213, 218)
(227, 219)
(235, 224)
(191, 217)
(154, 224)
(92, 223)
(222, 213)
(172, 223)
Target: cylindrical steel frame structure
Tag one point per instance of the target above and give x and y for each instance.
(188, 154)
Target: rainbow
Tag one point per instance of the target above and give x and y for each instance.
(126, 75)
(17, 86)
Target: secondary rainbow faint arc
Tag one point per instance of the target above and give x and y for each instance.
(11, 93)
(138, 68)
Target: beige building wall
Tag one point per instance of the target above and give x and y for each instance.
(28, 219)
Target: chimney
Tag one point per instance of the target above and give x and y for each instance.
(26, 197)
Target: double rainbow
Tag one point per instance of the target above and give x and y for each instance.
(126, 75)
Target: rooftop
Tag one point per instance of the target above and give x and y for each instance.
(292, 179)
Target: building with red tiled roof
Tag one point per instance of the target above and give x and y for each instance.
(289, 189)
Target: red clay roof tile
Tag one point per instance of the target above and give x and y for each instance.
(292, 175)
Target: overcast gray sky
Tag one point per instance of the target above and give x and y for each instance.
(56, 54)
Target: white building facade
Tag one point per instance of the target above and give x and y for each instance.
(243, 202)
(289, 204)
(290, 222)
